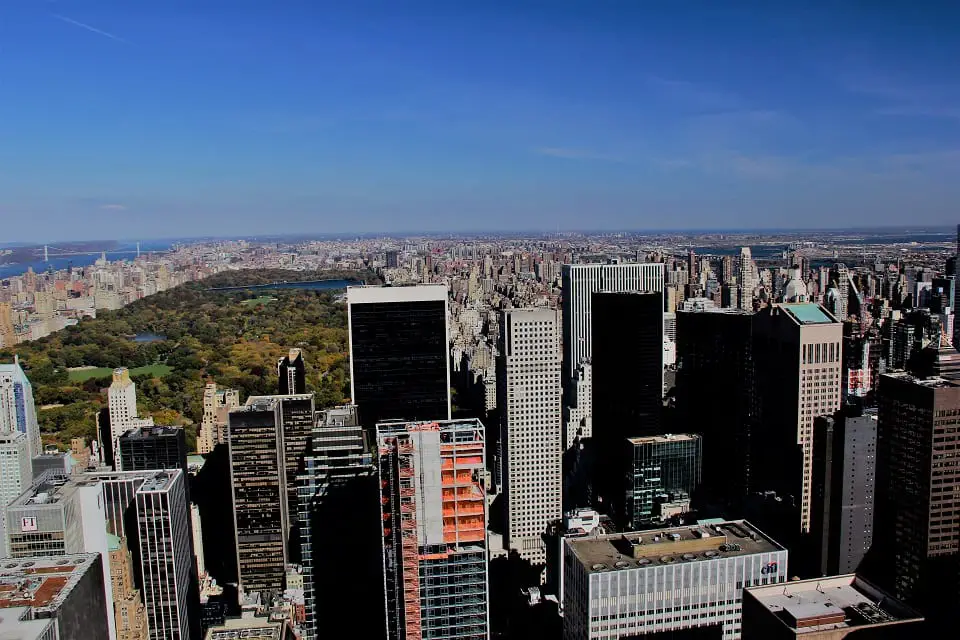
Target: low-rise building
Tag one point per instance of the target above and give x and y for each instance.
(826, 609)
(630, 585)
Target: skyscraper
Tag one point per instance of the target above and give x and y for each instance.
(338, 475)
(667, 464)
(580, 282)
(844, 478)
(258, 479)
(956, 296)
(715, 394)
(15, 474)
(8, 336)
(797, 350)
(17, 410)
(217, 404)
(434, 529)
(292, 372)
(747, 277)
(916, 537)
(399, 354)
(168, 573)
(153, 448)
(529, 398)
(149, 509)
(122, 402)
(296, 428)
(627, 384)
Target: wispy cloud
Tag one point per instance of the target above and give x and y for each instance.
(695, 94)
(113, 207)
(575, 154)
(89, 28)
(904, 98)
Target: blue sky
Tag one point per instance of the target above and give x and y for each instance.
(150, 118)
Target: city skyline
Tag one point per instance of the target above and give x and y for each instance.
(428, 118)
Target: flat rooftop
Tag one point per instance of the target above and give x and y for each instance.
(247, 629)
(932, 381)
(161, 481)
(808, 313)
(372, 294)
(15, 624)
(41, 582)
(668, 437)
(661, 547)
(825, 604)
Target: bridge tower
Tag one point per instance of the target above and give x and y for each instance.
(46, 254)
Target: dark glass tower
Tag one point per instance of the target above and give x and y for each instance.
(627, 382)
(292, 372)
(259, 505)
(916, 536)
(153, 448)
(399, 354)
(667, 465)
(337, 479)
(844, 475)
(715, 377)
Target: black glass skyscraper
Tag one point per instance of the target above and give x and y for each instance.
(627, 382)
(153, 448)
(292, 373)
(399, 362)
(715, 394)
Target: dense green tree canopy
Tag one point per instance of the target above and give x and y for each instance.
(233, 338)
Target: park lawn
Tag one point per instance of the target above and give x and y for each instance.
(252, 302)
(155, 370)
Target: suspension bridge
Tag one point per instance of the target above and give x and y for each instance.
(58, 252)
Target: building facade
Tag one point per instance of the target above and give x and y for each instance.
(798, 355)
(399, 360)
(627, 384)
(529, 398)
(435, 548)
(153, 448)
(292, 374)
(122, 403)
(336, 474)
(258, 478)
(217, 404)
(844, 479)
(167, 576)
(667, 465)
(918, 477)
(715, 394)
(678, 581)
(580, 282)
(17, 409)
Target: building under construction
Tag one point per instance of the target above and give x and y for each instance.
(434, 529)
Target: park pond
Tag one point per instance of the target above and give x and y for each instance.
(314, 285)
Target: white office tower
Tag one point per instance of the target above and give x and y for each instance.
(15, 474)
(683, 581)
(122, 405)
(17, 411)
(528, 378)
(747, 277)
(580, 282)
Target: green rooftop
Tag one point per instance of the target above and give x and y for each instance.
(113, 542)
(808, 313)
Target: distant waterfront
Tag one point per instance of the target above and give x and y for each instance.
(124, 252)
(315, 285)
